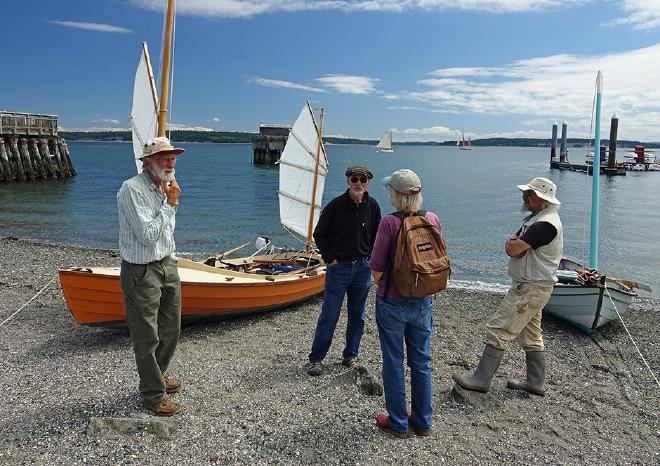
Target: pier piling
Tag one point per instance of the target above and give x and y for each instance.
(30, 148)
(553, 148)
(563, 152)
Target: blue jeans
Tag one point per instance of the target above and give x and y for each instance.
(353, 280)
(406, 320)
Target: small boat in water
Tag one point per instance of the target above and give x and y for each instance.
(464, 144)
(385, 143)
(582, 296)
(220, 286)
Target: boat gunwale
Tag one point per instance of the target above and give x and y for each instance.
(276, 279)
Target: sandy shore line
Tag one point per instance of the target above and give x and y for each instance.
(247, 399)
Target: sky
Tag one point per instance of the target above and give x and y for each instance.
(426, 70)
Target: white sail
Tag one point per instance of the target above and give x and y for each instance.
(297, 166)
(385, 142)
(143, 111)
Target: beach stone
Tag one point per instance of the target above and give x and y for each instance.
(468, 397)
(112, 427)
(368, 383)
(361, 376)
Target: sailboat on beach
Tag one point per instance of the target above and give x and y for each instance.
(584, 297)
(270, 278)
(385, 143)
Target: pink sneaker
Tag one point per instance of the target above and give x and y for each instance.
(383, 423)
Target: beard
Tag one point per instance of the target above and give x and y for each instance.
(163, 174)
(525, 207)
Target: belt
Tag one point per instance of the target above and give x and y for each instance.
(148, 263)
(344, 261)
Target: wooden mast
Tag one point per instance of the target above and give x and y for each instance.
(165, 70)
(150, 72)
(316, 175)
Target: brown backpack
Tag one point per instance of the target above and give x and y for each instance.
(421, 266)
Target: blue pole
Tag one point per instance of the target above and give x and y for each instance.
(595, 186)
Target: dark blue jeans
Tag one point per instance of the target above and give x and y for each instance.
(406, 320)
(353, 280)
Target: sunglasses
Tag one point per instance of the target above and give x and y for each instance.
(362, 179)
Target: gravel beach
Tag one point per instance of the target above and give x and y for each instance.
(67, 390)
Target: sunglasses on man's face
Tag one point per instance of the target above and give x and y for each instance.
(362, 179)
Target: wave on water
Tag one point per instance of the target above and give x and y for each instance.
(477, 285)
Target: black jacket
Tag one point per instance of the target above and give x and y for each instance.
(346, 231)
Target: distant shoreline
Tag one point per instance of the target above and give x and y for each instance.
(246, 138)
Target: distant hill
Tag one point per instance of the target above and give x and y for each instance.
(239, 137)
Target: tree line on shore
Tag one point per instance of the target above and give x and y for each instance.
(245, 138)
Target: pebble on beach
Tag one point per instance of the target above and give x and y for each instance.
(69, 392)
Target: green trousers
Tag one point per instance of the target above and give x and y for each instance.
(152, 296)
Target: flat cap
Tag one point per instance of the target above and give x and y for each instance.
(359, 170)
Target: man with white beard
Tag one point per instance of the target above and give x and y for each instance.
(535, 252)
(147, 205)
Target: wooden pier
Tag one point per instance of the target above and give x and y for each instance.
(268, 145)
(30, 148)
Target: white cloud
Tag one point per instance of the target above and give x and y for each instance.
(113, 121)
(441, 131)
(554, 87)
(284, 84)
(91, 26)
(93, 129)
(406, 107)
(182, 127)
(346, 84)
(642, 14)
(249, 8)
(215, 119)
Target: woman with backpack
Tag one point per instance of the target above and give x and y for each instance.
(408, 241)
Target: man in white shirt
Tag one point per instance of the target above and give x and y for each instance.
(535, 252)
(147, 205)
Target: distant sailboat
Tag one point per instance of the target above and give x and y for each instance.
(464, 144)
(385, 143)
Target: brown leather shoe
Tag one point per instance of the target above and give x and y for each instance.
(165, 407)
(172, 385)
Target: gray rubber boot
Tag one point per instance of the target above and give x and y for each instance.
(535, 382)
(479, 380)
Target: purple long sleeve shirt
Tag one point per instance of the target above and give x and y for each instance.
(385, 245)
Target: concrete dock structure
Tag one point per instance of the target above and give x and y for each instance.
(268, 145)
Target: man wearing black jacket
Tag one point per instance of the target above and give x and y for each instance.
(345, 235)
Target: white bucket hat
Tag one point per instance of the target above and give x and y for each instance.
(543, 187)
(159, 145)
(404, 181)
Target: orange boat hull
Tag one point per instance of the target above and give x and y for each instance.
(97, 299)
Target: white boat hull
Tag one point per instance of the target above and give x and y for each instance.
(384, 150)
(588, 307)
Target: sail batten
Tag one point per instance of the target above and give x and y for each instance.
(143, 111)
(297, 167)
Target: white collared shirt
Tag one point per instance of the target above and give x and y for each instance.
(146, 221)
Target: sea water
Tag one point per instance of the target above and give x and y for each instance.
(226, 201)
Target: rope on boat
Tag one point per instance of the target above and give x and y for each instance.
(31, 299)
(631, 338)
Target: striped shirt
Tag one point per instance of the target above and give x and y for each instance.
(146, 221)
